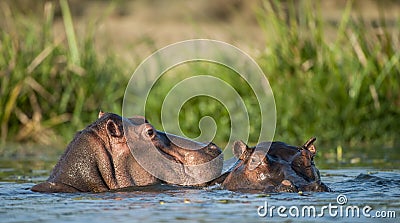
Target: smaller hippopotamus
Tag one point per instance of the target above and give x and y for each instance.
(274, 167)
(100, 158)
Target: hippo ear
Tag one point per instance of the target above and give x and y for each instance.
(114, 129)
(310, 146)
(101, 113)
(239, 147)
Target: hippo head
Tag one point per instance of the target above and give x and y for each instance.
(274, 167)
(171, 158)
(100, 157)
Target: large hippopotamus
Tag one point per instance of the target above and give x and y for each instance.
(273, 167)
(99, 158)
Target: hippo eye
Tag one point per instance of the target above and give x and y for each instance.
(150, 132)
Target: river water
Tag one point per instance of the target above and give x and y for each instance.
(361, 195)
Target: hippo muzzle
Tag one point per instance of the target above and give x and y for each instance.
(170, 158)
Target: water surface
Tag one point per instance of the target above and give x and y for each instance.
(374, 187)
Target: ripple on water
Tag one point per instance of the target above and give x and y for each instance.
(378, 189)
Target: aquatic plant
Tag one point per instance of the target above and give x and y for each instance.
(52, 84)
(337, 81)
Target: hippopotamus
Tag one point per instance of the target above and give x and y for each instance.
(274, 167)
(100, 157)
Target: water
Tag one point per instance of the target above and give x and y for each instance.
(373, 187)
(377, 189)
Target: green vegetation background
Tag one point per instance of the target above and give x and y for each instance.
(345, 91)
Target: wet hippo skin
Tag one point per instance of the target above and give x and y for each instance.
(274, 167)
(99, 159)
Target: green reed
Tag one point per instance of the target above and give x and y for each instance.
(342, 86)
(52, 84)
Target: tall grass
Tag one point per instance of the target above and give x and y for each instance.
(196, 108)
(343, 87)
(50, 87)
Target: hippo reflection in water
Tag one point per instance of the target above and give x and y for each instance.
(274, 167)
(99, 158)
